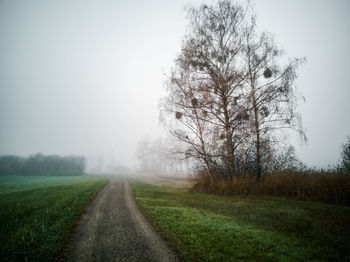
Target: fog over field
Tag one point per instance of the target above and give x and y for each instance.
(85, 77)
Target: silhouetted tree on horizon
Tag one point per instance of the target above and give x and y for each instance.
(42, 165)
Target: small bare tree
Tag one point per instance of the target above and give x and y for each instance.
(345, 157)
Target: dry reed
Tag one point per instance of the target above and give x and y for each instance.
(325, 187)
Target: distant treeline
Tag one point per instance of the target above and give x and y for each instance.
(42, 165)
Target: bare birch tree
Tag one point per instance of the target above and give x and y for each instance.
(270, 92)
(227, 90)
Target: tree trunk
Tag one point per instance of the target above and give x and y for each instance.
(257, 142)
(229, 144)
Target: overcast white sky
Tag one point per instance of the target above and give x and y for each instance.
(85, 77)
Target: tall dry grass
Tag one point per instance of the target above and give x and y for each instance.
(324, 187)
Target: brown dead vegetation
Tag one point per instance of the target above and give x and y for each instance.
(324, 187)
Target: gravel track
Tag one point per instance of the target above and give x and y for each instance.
(114, 230)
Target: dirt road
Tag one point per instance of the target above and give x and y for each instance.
(114, 230)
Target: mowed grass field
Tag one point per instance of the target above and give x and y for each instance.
(203, 227)
(38, 214)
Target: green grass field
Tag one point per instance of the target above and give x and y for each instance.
(38, 214)
(203, 227)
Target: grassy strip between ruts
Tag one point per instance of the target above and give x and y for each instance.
(39, 214)
(203, 227)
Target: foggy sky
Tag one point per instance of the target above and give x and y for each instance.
(85, 77)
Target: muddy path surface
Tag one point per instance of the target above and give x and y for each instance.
(114, 230)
